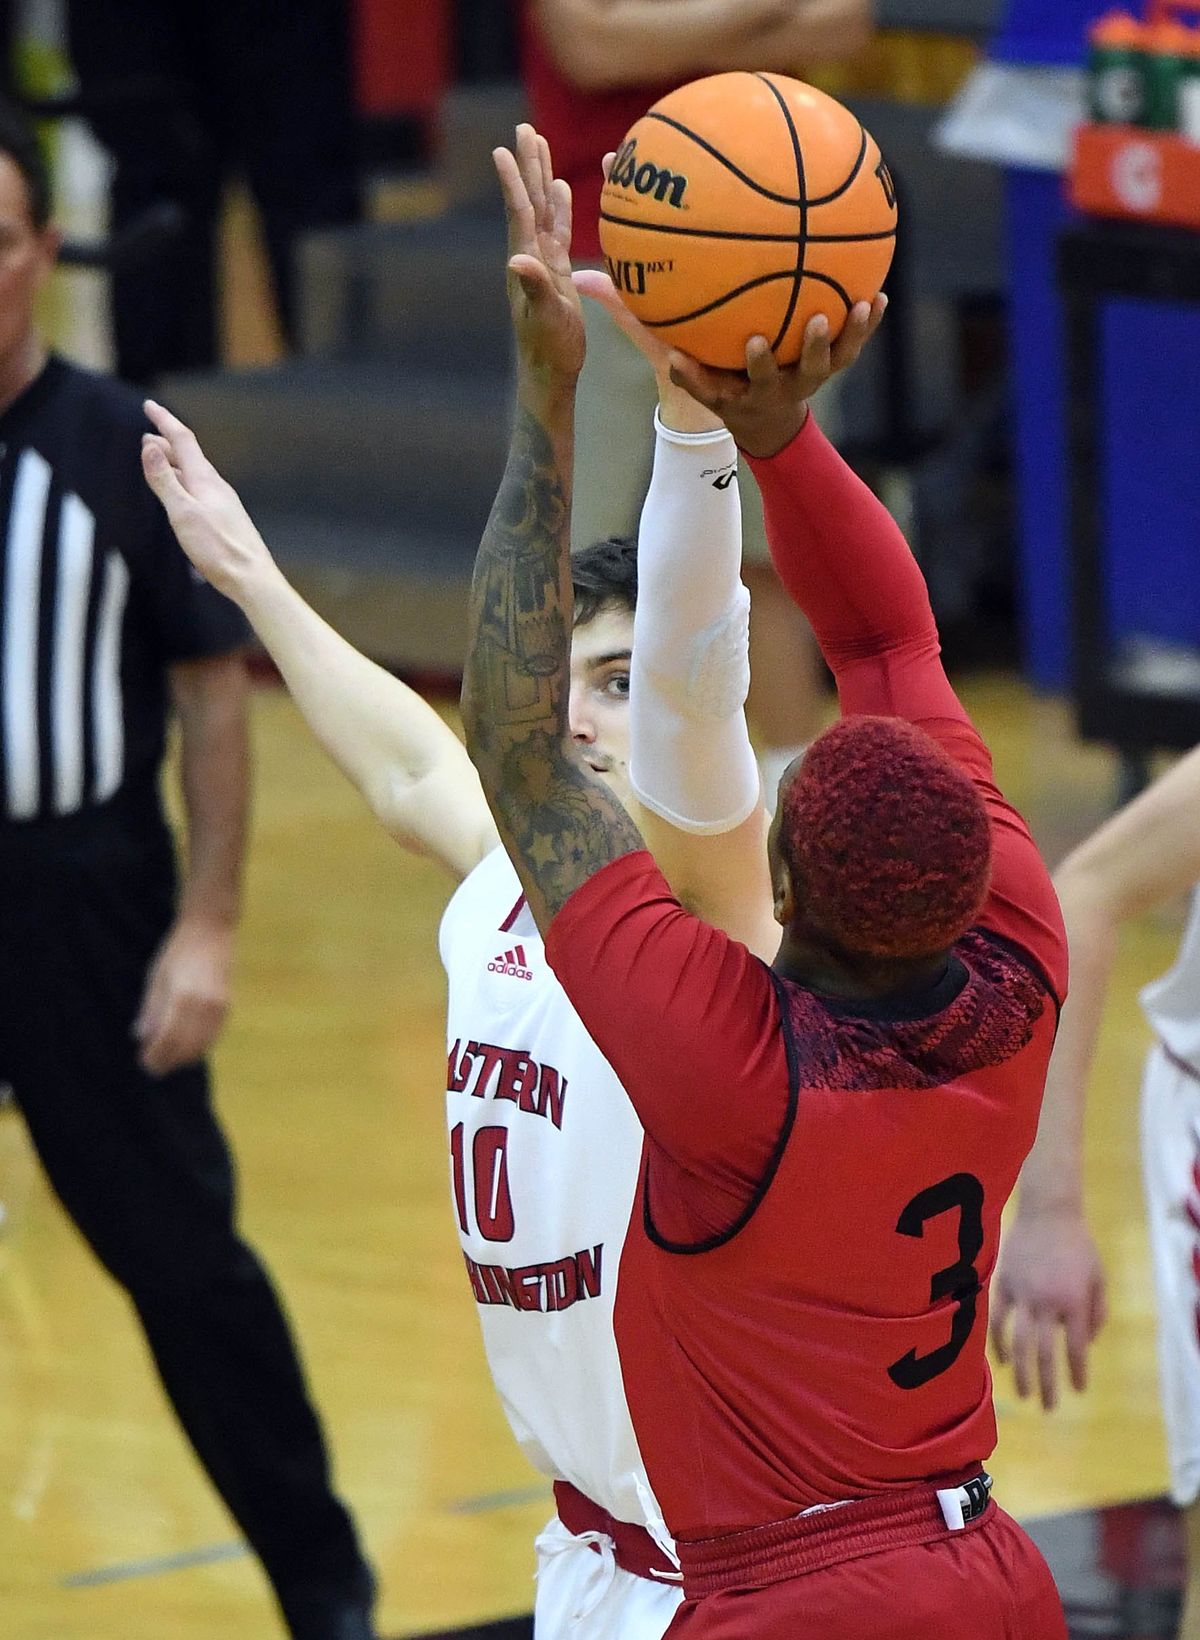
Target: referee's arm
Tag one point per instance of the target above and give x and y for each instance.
(187, 989)
(211, 700)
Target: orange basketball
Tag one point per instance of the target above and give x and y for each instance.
(742, 205)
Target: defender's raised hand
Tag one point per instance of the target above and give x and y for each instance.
(545, 307)
(766, 405)
(206, 513)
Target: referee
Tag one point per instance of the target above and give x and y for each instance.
(114, 985)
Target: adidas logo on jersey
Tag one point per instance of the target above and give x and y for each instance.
(511, 964)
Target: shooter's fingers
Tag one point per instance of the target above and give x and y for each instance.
(816, 359)
(712, 388)
(761, 366)
(861, 324)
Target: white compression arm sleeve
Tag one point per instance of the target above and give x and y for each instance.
(691, 760)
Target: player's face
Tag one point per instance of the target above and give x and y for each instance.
(599, 705)
(26, 258)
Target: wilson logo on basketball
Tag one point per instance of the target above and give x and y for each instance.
(631, 276)
(511, 964)
(644, 177)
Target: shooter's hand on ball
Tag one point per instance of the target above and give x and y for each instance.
(206, 513)
(546, 315)
(766, 405)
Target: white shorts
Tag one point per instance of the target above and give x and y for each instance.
(1171, 1159)
(582, 1595)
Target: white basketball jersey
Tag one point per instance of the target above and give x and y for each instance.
(1172, 1003)
(545, 1150)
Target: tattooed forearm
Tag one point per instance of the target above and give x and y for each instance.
(558, 821)
(520, 605)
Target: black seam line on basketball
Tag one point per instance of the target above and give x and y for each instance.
(749, 238)
(849, 238)
(694, 136)
(824, 279)
(844, 187)
(802, 230)
(753, 284)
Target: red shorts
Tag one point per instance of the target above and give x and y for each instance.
(987, 1581)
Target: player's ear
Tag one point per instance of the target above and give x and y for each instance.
(783, 891)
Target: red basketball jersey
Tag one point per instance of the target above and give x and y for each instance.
(827, 1340)
(802, 1306)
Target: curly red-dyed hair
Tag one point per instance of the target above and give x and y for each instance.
(886, 838)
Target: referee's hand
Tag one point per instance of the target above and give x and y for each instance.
(186, 996)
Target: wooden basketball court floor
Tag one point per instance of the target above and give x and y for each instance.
(330, 1080)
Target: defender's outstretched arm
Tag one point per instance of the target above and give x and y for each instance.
(410, 766)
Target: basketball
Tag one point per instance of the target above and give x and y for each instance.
(742, 205)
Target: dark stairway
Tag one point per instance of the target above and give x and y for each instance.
(371, 461)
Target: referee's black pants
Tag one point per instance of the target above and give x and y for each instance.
(143, 1169)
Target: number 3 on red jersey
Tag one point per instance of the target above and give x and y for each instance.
(959, 1280)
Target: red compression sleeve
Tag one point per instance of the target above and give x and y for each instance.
(844, 560)
(846, 563)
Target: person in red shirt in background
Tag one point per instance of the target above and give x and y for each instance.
(591, 68)
(801, 1309)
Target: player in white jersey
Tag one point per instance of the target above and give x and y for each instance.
(1050, 1276)
(544, 1145)
(529, 1098)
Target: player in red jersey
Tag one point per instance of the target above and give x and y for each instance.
(830, 1141)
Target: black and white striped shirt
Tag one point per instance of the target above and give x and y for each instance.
(96, 599)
